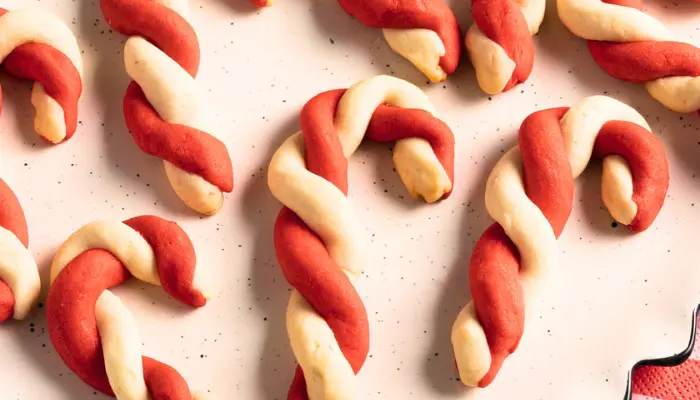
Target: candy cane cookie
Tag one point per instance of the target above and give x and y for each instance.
(425, 32)
(38, 46)
(92, 331)
(318, 242)
(500, 42)
(633, 46)
(163, 107)
(19, 277)
(529, 193)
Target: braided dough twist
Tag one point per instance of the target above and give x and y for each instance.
(530, 193)
(633, 46)
(500, 42)
(92, 331)
(38, 46)
(163, 106)
(19, 277)
(425, 32)
(318, 242)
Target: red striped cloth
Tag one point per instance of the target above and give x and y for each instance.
(669, 383)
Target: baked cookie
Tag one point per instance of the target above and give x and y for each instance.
(425, 32)
(633, 46)
(318, 241)
(90, 328)
(164, 109)
(500, 42)
(37, 46)
(530, 193)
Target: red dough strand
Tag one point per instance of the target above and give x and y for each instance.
(56, 73)
(187, 148)
(433, 15)
(495, 262)
(645, 61)
(11, 218)
(70, 307)
(302, 255)
(503, 22)
(61, 80)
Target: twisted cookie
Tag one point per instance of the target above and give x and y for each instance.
(163, 107)
(633, 46)
(37, 46)
(92, 331)
(529, 193)
(500, 41)
(19, 277)
(318, 242)
(425, 32)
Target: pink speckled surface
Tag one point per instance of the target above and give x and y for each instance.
(618, 298)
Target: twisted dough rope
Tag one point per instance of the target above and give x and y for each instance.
(19, 276)
(633, 46)
(38, 46)
(425, 32)
(318, 242)
(500, 42)
(92, 331)
(529, 193)
(163, 107)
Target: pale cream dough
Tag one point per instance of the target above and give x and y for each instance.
(174, 94)
(126, 244)
(19, 271)
(121, 343)
(491, 62)
(507, 202)
(422, 47)
(24, 26)
(326, 210)
(595, 20)
(121, 346)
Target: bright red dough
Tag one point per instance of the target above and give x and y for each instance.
(302, 255)
(504, 23)
(56, 73)
(495, 264)
(434, 15)
(187, 148)
(12, 219)
(641, 62)
(70, 306)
